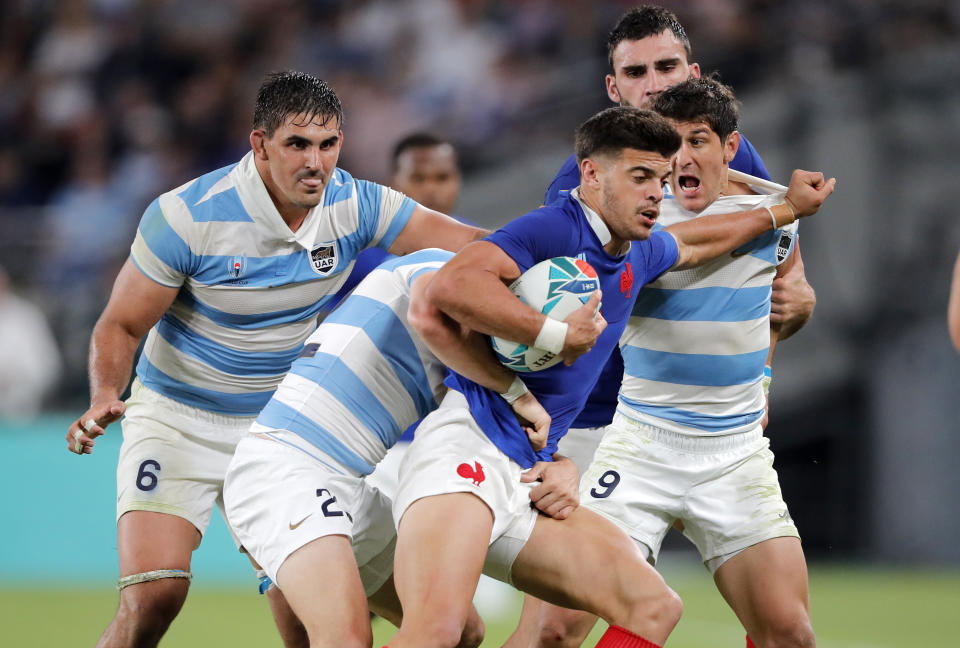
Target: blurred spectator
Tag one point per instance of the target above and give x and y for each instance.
(29, 359)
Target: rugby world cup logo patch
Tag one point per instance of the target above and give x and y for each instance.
(566, 277)
(323, 259)
(237, 266)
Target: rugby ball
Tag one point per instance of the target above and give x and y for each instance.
(555, 287)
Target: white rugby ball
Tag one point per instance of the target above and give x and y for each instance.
(555, 287)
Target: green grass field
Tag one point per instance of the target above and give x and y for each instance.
(853, 607)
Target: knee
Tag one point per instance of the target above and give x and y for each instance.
(445, 631)
(565, 630)
(666, 608)
(150, 607)
(797, 633)
(473, 632)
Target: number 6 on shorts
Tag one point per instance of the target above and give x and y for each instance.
(146, 480)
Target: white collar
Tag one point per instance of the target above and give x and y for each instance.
(254, 190)
(596, 223)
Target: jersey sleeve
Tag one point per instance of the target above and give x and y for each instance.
(567, 178)
(536, 236)
(159, 251)
(659, 255)
(383, 212)
(749, 161)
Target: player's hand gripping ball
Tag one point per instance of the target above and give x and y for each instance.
(555, 287)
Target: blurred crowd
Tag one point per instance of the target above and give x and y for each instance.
(108, 103)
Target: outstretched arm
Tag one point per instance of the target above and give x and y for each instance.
(702, 239)
(431, 229)
(136, 304)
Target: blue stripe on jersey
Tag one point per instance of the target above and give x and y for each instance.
(199, 188)
(222, 207)
(248, 404)
(261, 272)
(694, 368)
(283, 417)
(339, 188)
(164, 242)
(763, 247)
(252, 321)
(397, 348)
(713, 304)
(398, 223)
(223, 358)
(706, 422)
(369, 195)
(331, 373)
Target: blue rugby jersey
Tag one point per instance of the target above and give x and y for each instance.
(364, 376)
(697, 340)
(602, 403)
(566, 228)
(250, 289)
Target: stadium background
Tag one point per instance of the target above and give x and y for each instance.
(106, 103)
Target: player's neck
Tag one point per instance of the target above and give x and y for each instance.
(732, 188)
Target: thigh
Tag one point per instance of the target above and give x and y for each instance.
(766, 585)
(744, 481)
(147, 541)
(321, 582)
(584, 562)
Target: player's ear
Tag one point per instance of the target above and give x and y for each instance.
(258, 140)
(730, 147)
(589, 173)
(694, 70)
(612, 90)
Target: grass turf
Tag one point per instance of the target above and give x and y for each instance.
(852, 607)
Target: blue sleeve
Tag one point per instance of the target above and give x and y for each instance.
(539, 235)
(567, 178)
(747, 160)
(659, 255)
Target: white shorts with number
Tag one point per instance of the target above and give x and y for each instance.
(451, 454)
(173, 457)
(724, 489)
(282, 493)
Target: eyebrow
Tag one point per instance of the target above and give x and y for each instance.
(702, 130)
(293, 139)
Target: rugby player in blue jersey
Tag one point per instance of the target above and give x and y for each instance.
(462, 506)
(687, 440)
(227, 274)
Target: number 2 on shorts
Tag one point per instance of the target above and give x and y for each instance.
(608, 481)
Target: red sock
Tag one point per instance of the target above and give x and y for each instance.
(617, 637)
(750, 643)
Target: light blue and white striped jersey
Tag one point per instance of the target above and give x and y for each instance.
(363, 377)
(250, 289)
(697, 340)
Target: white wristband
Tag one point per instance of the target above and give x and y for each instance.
(551, 336)
(773, 219)
(517, 389)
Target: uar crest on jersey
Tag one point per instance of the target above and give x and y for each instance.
(323, 259)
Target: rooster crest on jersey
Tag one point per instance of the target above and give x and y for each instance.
(555, 287)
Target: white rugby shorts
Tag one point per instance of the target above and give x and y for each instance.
(281, 495)
(580, 444)
(174, 457)
(724, 489)
(451, 454)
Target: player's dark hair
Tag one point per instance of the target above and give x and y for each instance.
(614, 129)
(294, 93)
(701, 100)
(642, 22)
(420, 139)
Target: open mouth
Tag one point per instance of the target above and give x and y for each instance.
(650, 216)
(688, 184)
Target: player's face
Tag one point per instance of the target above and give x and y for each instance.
(430, 176)
(700, 166)
(631, 188)
(644, 68)
(297, 161)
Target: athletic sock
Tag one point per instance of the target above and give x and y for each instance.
(750, 643)
(617, 637)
